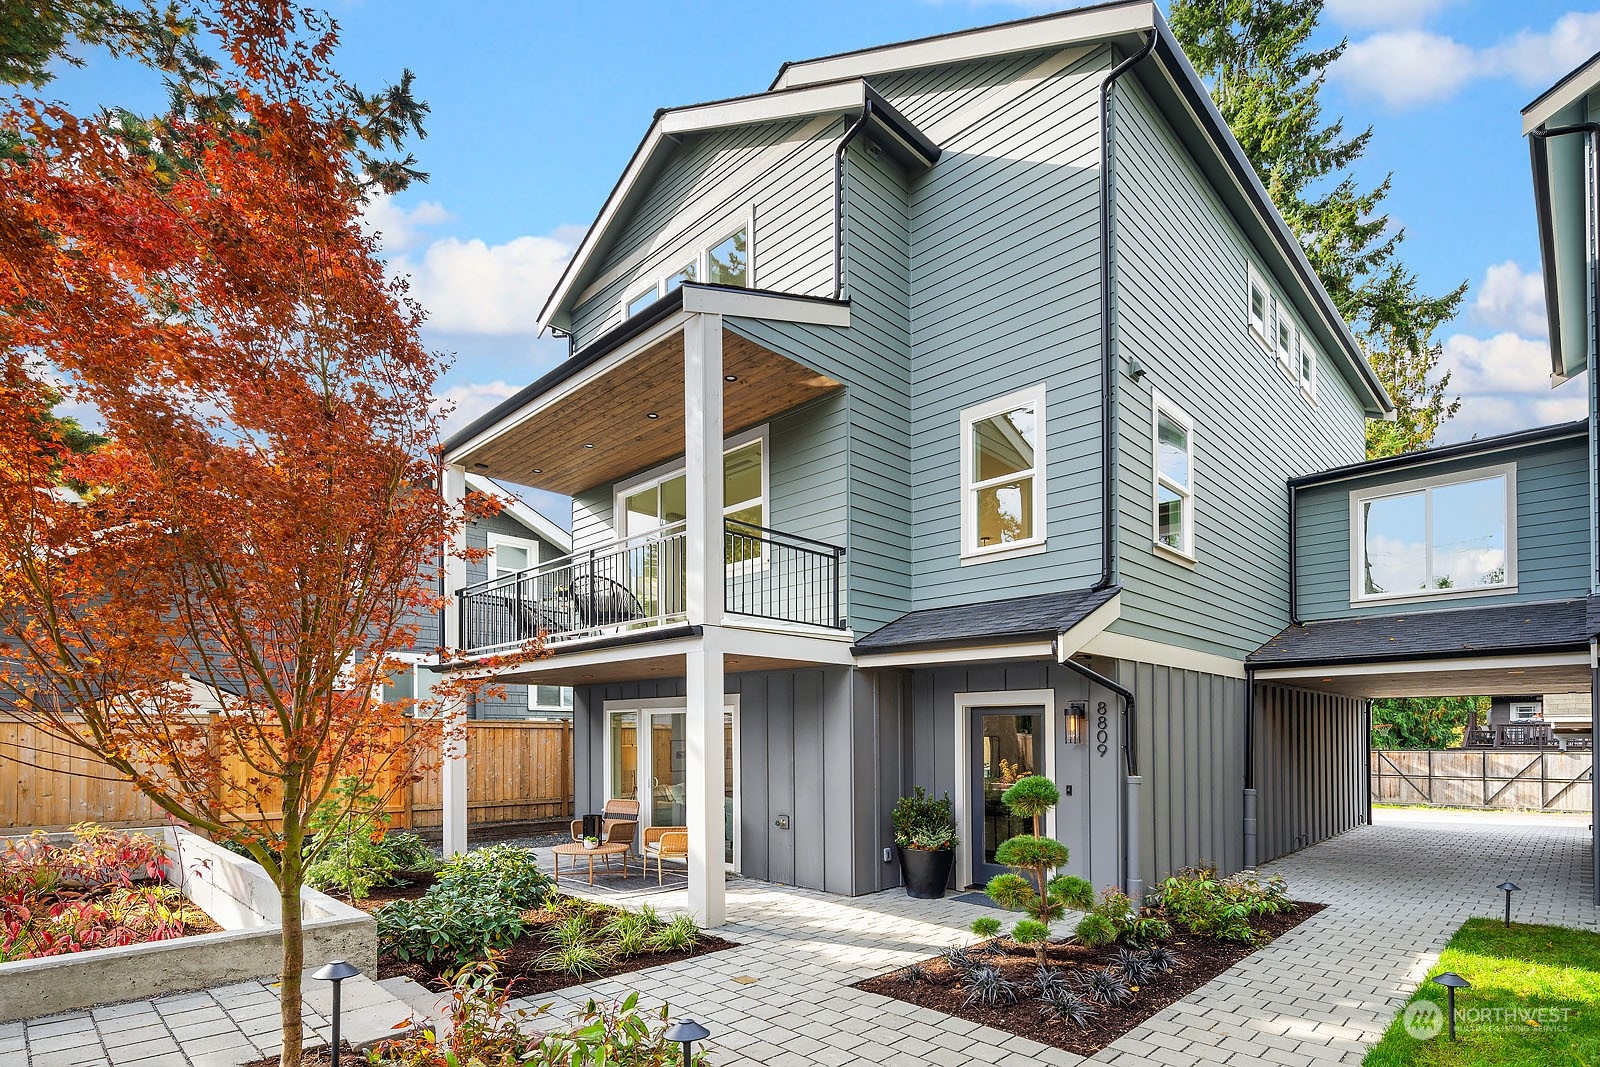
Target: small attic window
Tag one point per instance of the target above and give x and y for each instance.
(1258, 308)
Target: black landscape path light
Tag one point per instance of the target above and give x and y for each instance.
(686, 1032)
(1451, 982)
(1508, 888)
(336, 972)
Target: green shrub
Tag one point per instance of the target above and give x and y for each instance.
(346, 850)
(1031, 796)
(409, 852)
(506, 872)
(448, 924)
(988, 926)
(922, 822)
(1094, 931)
(1029, 932)
(1073, 891)
(1207, 906)
(679, 935)
(578, 959)
(1031, 852)
(1031, 890)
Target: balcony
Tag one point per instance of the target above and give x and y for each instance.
(640, 583)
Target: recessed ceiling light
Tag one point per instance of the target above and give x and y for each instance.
(480, 466)
(591, 445)
(538, 470)
(730, 377)
(652, 415)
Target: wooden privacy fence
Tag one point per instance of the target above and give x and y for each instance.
(516, 772)
(1483, 778)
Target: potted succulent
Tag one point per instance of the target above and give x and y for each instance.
(591, 842)
(925, 837)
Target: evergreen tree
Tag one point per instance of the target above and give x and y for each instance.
(1267, 81)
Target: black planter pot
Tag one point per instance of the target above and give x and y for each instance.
(926, 873)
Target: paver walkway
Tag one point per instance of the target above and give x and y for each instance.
(1320, 994)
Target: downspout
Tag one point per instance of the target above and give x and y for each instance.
(1108, 378)
(1251, 856)
(838, 197)
(1294, 554)
(1132, 884)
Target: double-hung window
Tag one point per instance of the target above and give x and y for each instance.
(1447, 536)
(1174, 479)
(725, 260)
(1002, 476)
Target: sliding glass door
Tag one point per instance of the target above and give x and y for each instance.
(654, 770)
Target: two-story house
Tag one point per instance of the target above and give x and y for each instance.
(928, 420)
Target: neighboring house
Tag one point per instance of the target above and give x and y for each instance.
(518, 538)
(941, 438)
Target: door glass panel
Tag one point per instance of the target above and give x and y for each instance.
(644, 509)
(1006, 752)
(624, 756)
(728, 757)
(668, 771)
(674, 500)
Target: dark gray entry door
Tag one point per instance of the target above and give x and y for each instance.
(1006, 744)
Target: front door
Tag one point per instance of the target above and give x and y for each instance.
(1007, 744)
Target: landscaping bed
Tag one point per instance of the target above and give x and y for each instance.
(939, 984)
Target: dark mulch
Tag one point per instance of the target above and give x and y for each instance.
(318, 1058)
(410, 887)
(1200, 960)
(519, 966)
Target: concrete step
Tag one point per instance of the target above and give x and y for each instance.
(369, 1012)
(431, 1010)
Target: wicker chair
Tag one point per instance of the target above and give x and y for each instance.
(602, 601)
(665, 843)
(619, 825)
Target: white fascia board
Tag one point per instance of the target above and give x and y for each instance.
(766, 107)
(746, 304)
(520, 511)
(1463, 664)
(1568, 91)
(1143, 650)
(965, 654)
(1070, 642)
(738, 639)
(669, 325)
(1026, 35)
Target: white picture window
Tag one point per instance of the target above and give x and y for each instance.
(1258, 308)
(725, 260)
(1174, 478)
(1003, 475)
(509, 554)
(1446, 536)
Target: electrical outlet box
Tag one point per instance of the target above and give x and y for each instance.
(888, 855)
(1066, 790)
(781, 822)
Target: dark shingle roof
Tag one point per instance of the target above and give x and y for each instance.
(1594, 616)
(1497, 630)
(1044, 615)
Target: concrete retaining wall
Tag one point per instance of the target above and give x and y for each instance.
(235, 892)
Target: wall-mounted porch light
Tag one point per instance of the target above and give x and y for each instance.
(1077, 722)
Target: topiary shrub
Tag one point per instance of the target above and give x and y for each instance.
(1041, 898)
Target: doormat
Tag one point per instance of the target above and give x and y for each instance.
(975, 898)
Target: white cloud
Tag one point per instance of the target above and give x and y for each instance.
(1409, 67)
(399, 228)
(1504, 384)
(1382, 12)
(471, 287)
(1511, 300)
(465, 402)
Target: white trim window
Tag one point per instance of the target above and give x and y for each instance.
(659, 498)
(509, 554)
(1283, 331)
(1172, 443)
(1003, 476)
(727, 259)
(1307, 363)
(1258, 307)
(1447, 536)
(550, 699)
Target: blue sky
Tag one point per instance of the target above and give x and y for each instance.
(537, 107)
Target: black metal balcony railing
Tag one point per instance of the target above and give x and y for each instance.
(640, 582)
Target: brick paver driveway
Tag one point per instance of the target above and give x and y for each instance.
(1320, 994)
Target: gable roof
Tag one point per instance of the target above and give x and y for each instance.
(1507, 628)
(523, 512)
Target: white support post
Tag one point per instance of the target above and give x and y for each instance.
(703, 586)
(452, 722)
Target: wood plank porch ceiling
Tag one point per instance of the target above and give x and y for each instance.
(551, 450)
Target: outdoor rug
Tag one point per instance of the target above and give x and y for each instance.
(960, 898)
(612, 884)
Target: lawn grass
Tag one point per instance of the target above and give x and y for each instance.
(1522, 967)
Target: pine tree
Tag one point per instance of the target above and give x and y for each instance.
(1267, 81)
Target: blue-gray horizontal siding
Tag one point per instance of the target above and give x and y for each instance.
(1180, 279)
(509, 701)
(781, 170)
(1552, 531)
(1004, 243)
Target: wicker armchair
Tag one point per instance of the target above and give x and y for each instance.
(665, 843)
(619, 825)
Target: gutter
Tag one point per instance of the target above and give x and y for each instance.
(1294, 554)
(838, 196)
(896, 136)
(1108, 377)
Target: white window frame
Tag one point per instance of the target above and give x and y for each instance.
(1306, 358)
(699, 256)
(1258, 329)
(1358, 535)
(565, 704)
(1282, 321)
(514, 541)
(971, 551)
(1535, 711)
(667, 471)
(1160, 406)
